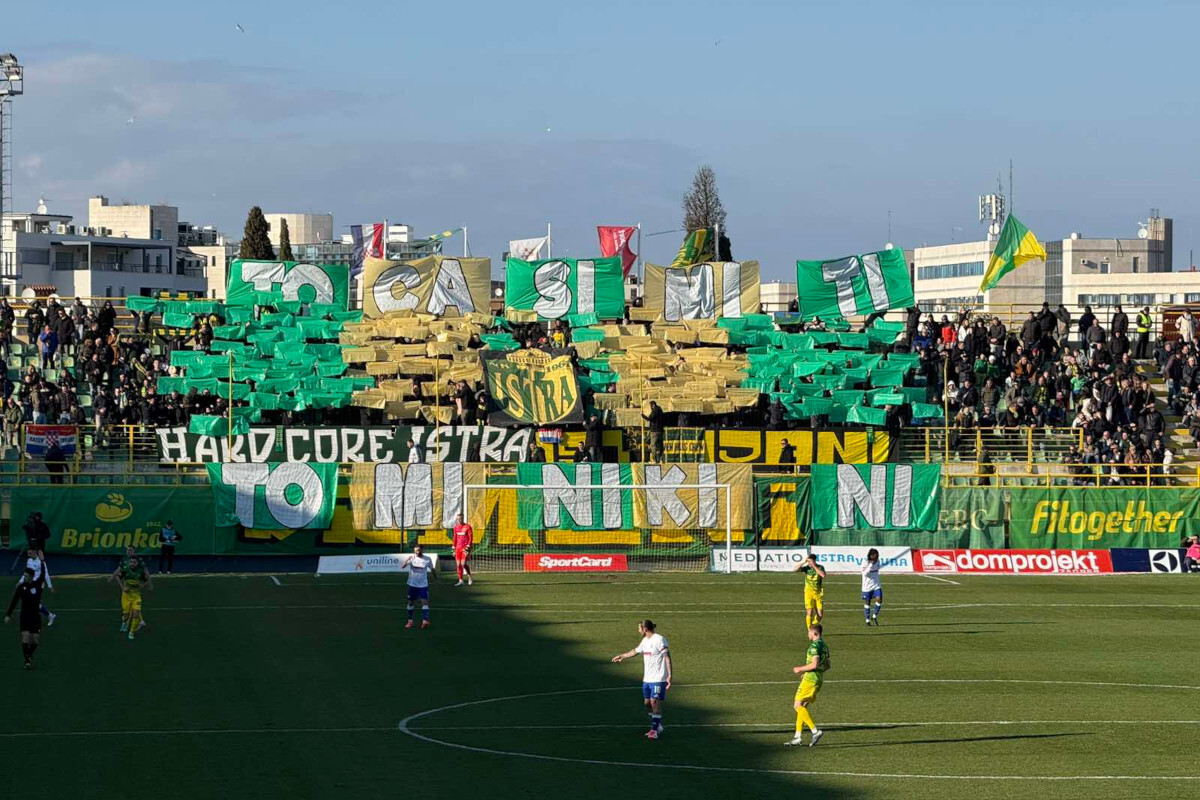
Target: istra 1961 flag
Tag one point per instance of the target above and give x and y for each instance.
(532, 387)
(844, 287)
(1016, 245)
(614, 239)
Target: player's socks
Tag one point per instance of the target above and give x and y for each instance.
(878, 611)
(410, 611)
(460, 573)
(33, 646)
(25, 650)
(804, 718)
(656, 721)
(867, 612)
(425, 613)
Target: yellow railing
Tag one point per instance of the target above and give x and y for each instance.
(1027, 444)
(1085, 476)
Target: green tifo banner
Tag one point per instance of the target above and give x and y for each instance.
(280, 496)
(970, 518)
(854, 285)
(884, 496)
(557, 287)
(268, 282)
(87, 520)
(532, 387)
(1102, 518)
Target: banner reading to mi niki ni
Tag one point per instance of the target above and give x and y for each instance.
(887, 496)
(562, 503)
(274, 496)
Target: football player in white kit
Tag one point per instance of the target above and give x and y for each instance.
(872, 590)
(656, 673)
(419, 568)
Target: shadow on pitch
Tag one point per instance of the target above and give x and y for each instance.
(954, 740)
(912, 633)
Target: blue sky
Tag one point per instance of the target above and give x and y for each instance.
(818, 118)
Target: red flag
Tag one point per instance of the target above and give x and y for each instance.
(615, 239)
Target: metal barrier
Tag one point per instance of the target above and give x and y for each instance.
(1083, 476)
(1026, 444)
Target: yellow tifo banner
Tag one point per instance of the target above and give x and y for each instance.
(662, 516)
(403, 497)
(703, 291)
(430, 285)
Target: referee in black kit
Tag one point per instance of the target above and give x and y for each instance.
(29, 595)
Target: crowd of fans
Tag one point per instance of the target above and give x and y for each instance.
(1058, 371)
(1054, 371)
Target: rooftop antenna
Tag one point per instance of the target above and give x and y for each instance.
(12, 84)
(1010, 189)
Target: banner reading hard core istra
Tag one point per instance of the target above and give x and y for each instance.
(274, 496)
(882, 496)
(557, 287)
(307, 283)
(1103, 518)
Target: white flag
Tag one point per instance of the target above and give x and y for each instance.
(527, 249)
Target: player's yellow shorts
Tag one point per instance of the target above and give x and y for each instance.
(809, 686)
(131, 602)
(814, 599)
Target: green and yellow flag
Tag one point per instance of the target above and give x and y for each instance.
(1016, 245)
(697, 247)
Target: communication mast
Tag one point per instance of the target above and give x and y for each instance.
(12, 84)
(992, 211)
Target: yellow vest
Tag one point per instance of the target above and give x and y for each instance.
(1144, 322)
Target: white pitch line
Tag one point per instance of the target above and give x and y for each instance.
(277, 583)
(831, 725)
(405, 727)
(605, 608)
(936, 578)
(191, 732)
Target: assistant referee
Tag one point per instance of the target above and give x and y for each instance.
(29, 595)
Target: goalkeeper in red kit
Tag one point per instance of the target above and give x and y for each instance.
(464, 537)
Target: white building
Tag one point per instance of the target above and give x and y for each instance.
(54, 255)
(302, 228)
(1079, 270)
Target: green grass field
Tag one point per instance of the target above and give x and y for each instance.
(242, 687)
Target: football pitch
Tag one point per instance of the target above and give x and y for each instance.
(297, 686)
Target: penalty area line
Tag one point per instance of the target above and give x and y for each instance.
(936, 578)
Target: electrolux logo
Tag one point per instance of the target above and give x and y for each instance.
(1165, 561)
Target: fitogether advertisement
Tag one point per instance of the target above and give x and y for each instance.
(431, 285)
(1063, 517)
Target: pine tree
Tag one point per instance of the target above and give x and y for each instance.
(702, 209)
(285, 242)
(256, 242)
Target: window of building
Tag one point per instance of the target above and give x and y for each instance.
(27, 256)
(1135, 263)
(1191, 297)
(1138, 299)
(1104, 267)
(965, 269)
(64, 259)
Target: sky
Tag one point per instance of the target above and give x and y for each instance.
(818, 118)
